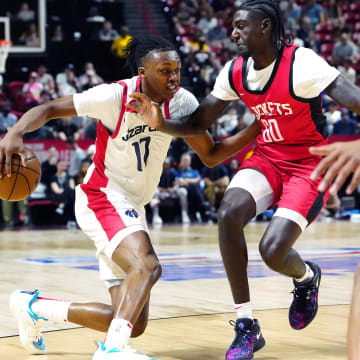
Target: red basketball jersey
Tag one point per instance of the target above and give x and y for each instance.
(289, 124)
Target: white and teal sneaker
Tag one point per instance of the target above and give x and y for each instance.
(126, 353)
(28, 323)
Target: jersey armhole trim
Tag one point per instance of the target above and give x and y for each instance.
(122, 111)
(231, 79)
(291, 83)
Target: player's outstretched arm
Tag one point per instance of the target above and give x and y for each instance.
(342, 159)
(213, 153)
(194, 124)
(32, 120)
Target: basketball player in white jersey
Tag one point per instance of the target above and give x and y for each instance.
(110, 204)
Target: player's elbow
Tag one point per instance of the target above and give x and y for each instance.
(209, 161)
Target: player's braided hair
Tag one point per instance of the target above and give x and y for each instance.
(138, 49)
(271, 10)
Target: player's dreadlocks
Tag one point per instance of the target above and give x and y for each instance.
(271, 10)
(139, 49)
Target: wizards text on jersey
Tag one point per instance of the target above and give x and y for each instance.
(137, 130)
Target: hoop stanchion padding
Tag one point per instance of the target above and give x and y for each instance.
(4, 52)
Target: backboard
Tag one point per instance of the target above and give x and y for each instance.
(15, 25)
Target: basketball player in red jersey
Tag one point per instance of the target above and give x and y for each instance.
(281, 84)
(109, 205)
(343, 159)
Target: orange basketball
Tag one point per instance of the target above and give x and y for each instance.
(23, 180)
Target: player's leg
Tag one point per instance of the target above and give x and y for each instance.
(249, 194)
(299, 205)
(353, 335)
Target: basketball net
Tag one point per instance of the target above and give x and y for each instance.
(4, 52)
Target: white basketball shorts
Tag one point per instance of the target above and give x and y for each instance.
(107, 217)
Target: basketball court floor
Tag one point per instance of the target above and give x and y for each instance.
(191, 305)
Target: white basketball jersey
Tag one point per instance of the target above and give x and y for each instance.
(129, 154)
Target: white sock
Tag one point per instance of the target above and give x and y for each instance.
(118, 334)
(244, 310)
(51, 309)
(309, 274)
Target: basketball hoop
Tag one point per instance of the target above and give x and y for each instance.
(4, 51)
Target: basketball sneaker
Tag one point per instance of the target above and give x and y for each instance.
(305, 302)
(248, 339)
(28, 323)
(124, 353)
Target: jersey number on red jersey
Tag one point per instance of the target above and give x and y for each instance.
(272, 131)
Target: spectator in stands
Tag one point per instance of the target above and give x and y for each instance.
(227, 122)
(169, 192)
(61, 78)
(90, 129)
(347, 70)
(189, 178)
(44, 78)
(62, 191)
(30, 37)
(239, 126)
(177, 148)
(289, 23)
(207, 21)
(218, 33)
(85, 164)
(90, 78)
(293, 9)
(332, 116)
(107, 33)
(66, 129)
(7, 119)
(333, 13)
(312, 42)
(120, 43)
(32, 89)
(345, 126)
(344, 48)
(184, 17)
(71, 86)
(77, 155)
(94, 16)
(48, 167)
(58, 34)
(14, 213)
(25, 14)
(305, 27)
(314, 11)
(216, 182)
(296, 39)
(232, 166)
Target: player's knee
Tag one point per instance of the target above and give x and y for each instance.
(231, 215)
(150, 269)
(270, 254)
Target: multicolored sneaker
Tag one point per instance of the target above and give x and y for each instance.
(125, 353)
(28, 323)
(305, 303)
(248, 339)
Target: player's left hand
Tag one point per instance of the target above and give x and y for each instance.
(342, 159)
(150, 112)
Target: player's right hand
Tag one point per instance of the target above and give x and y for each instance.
(150, 112)
(11, 144)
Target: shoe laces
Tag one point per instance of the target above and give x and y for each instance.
(303, 293)
(241, 334)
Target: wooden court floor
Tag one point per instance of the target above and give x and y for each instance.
(191, 305)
